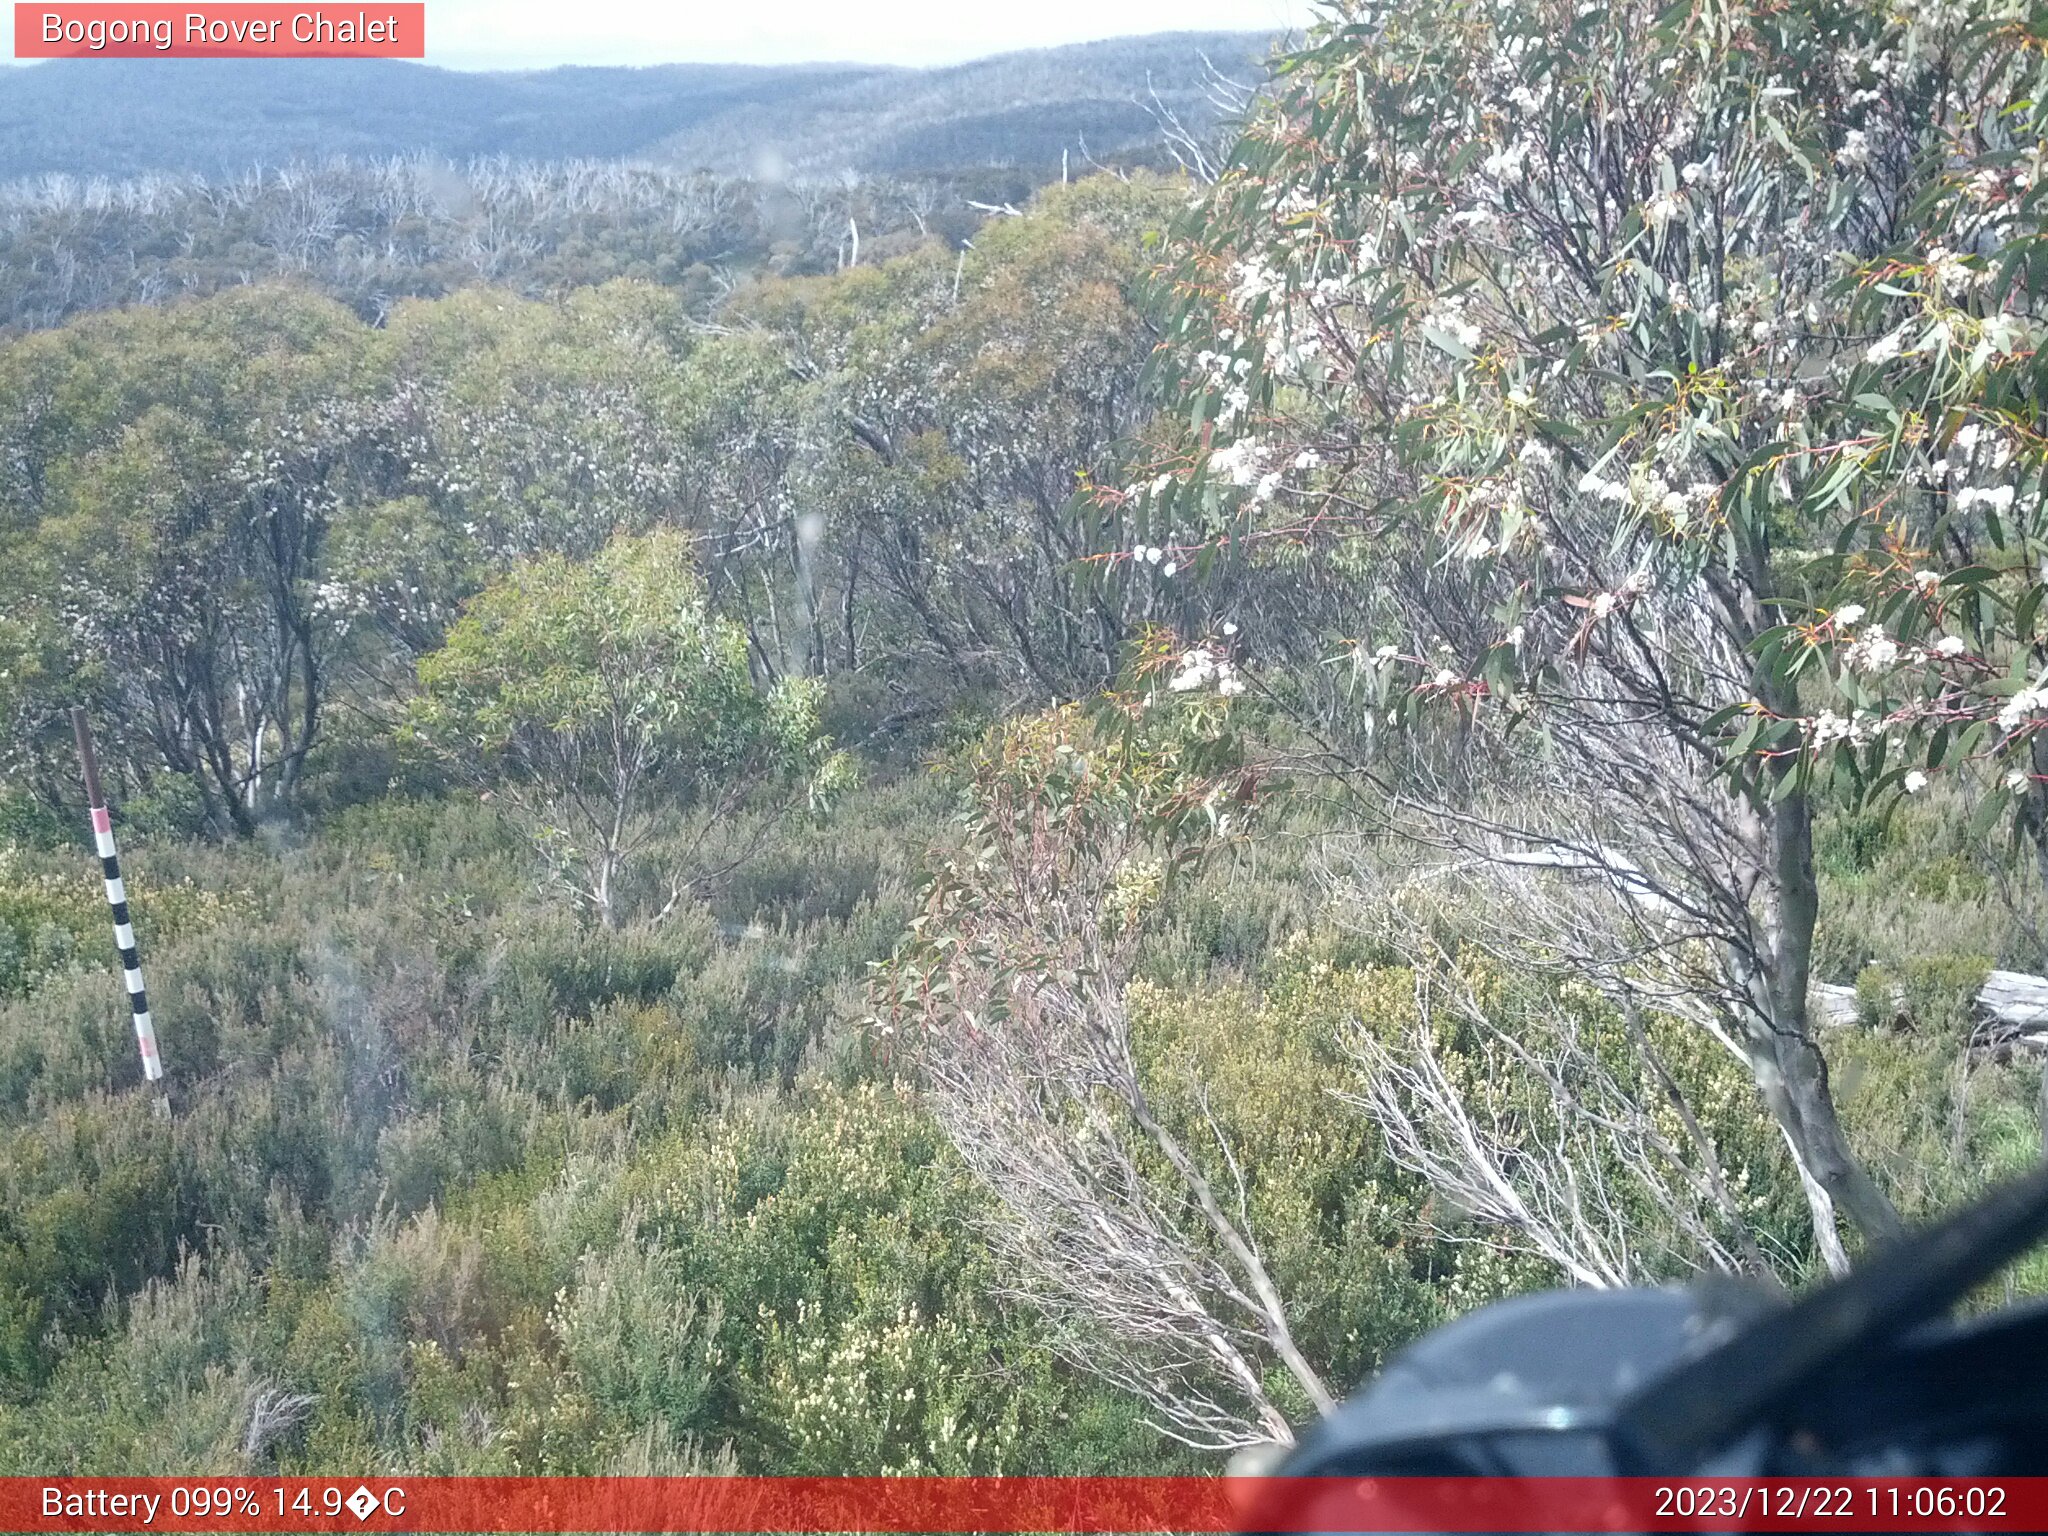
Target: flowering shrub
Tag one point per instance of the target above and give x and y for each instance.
(1599, 303)
(1552, 379)
(50, 920)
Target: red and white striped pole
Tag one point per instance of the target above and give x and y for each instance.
(117, 898)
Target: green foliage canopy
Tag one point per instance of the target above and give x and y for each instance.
(593, 689)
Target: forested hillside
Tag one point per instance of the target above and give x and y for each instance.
(1024, 853)
(223, 118)
(373, 233)
(1105, 101)
(374, 181)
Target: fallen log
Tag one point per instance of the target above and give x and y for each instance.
(2016, 1000)
(2011, 1011)
(1835, 1006)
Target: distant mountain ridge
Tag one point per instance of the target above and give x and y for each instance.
(122, 118)
(1015, 108)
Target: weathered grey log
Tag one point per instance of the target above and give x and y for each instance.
(1834, 1006)
(2016, 1000)
(2012, 1010)
(2012, 1013)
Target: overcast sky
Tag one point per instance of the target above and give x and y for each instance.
(533, 34)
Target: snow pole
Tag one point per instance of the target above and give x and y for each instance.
(117, 899)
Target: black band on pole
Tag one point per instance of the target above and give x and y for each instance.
(117, 901)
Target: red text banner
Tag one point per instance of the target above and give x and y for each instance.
(1019, 1504)
(231, 31)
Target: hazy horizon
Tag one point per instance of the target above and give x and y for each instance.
(530, 35)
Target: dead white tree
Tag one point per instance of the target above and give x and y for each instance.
(273, 1414)
(699, 205)
(1199, 133)
(2010, 1011)
(1132, 1233)
(1543, 1146)
(1152, 1276)
(921, 199)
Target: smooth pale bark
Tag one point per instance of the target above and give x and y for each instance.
(1788, 1066)
(1272, 1310)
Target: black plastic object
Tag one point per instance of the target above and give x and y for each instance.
(1858, 1377)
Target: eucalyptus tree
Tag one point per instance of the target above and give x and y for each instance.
(1925, 650)
(523, 428)
(177, 474)
(1529, 383)
(949, 403)
(596, 694)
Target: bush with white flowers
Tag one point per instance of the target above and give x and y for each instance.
(1663, 378)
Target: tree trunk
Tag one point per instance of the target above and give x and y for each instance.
(847, 610)
(2033, 805)
(1793, 1078)
(601, 890)
(1789, 1068)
